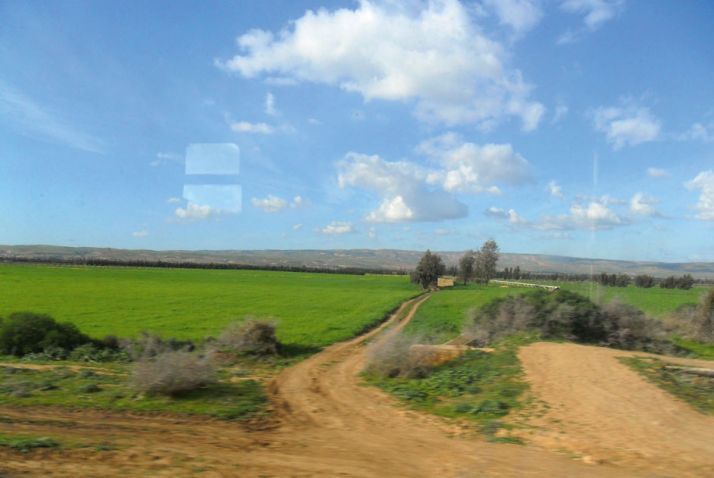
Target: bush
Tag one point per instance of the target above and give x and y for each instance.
(149, 345)
(94, 353)
(566, 315)
(23, 333)
(393, 356)
(172, 373)
(250, 337)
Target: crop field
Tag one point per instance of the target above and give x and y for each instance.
(440, 318)
(654, 301)
(311, 310)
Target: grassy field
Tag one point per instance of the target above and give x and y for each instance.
(312, 310)
(107, 389)
(440, 318)
(654, 301)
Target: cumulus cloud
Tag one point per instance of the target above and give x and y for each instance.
(252, 128)
(520, 15)
(657, 173)
(626, 125)
(643, 205)
(401, 185)
(435, 57)
(554, 189)
(704, 182)
(195, 212)
(471, 168)
(595, 13)
(511, 215)
(269, 204)
(411, 192)
(337, 228)
(139, 234)
(591, 216)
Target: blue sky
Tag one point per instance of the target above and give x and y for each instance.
(573, 127)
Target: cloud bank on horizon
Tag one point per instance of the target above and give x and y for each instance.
(556, 127)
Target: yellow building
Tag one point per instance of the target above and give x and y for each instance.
(445, 281)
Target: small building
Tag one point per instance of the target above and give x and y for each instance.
(445, 281)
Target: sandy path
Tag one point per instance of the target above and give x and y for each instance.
(601, 409)
(328, 424)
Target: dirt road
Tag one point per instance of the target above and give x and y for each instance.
(602, 410)
(328, 424)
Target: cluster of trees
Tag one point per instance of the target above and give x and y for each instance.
(645, 281)
(672, 282)
(614, 280)
(479, 265)
(512, 273)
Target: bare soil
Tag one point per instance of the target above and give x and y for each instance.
(327, 424)
(604, 412)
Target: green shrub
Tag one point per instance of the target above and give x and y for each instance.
(567, 315)
(23, 333)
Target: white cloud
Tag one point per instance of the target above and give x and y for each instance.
(173, 200)
(314, 121)
(298, 202)
(643, 205)
(195, 212)
(402, 187)
(139, 234)
(699, 132)
(270, 108)
(297, 227)
(269, 204)
(626, 125)
(435, 56)
(704, 182)
(511, 215)
(253, 128)
(34, 121)
(372, 233)
(657, 173)
(338, 227)
(560, 112)
(496, 212)
(554, 189)
(468, 167)
(592, 216)
(595, 13)
(520, 15)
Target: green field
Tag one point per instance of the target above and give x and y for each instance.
(311, 310)
(655, 301)
(442, 316)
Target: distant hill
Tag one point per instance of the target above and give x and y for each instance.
(375, 259)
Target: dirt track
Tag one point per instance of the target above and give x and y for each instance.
(328, 425)
(604, 411)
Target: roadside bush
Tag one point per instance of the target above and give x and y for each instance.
(149, 345)
(566, 315)
(393, 356)
(94, 353)
(24, 333)
(251, 336)
(172, 373)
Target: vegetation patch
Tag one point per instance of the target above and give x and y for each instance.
(62, 386)
(696, 390)
(477, 386)
(26, 444)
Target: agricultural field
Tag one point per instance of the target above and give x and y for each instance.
(311, 310)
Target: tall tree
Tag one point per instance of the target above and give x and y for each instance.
(466, 266)
(428, 270)
(486, 260)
